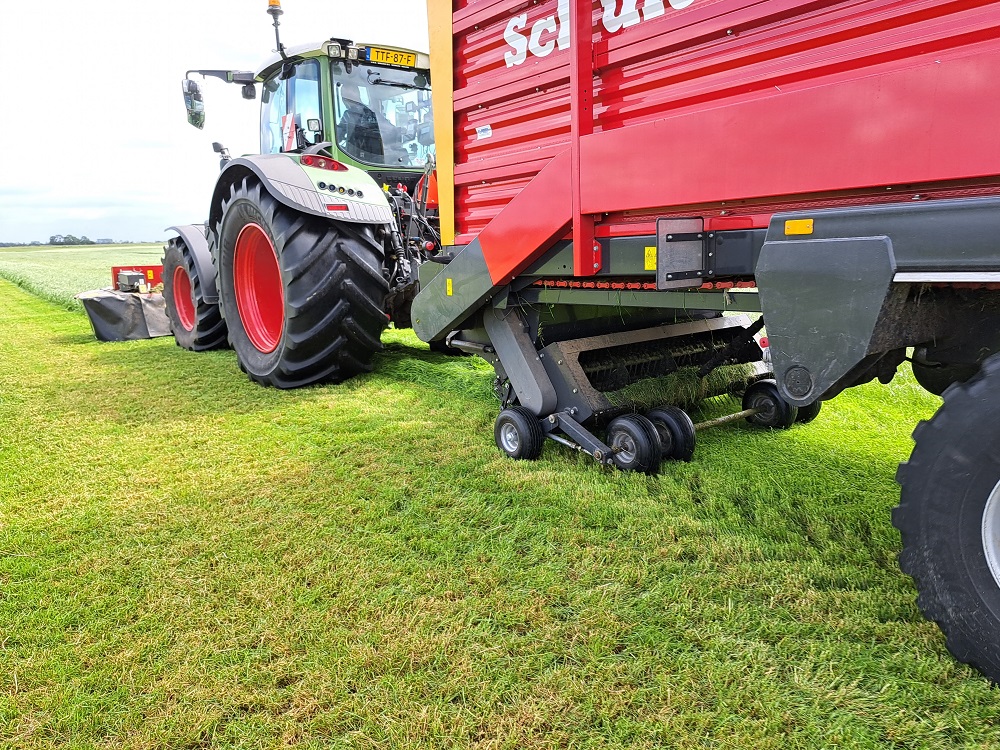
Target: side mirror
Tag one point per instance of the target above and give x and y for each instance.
(249, 91)
(193, 103)
(223, 152)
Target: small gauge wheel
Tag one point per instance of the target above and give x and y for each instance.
(772, 409)
(676, 432)
(519, 434)
(634, 443)
(809, 413)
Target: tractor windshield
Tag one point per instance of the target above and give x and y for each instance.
(383, 115)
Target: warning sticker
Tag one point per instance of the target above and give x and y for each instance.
(650, 258)
(288, 132)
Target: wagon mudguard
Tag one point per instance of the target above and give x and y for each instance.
(291, 185)
(845, 291)
(193, 236)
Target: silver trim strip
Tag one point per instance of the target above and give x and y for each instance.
(948, 277)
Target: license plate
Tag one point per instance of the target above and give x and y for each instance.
(391, 57)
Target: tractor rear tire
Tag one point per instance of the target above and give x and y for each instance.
(949, 519)
(197, 325)
(304, 297)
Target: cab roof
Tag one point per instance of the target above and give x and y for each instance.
(319, 49)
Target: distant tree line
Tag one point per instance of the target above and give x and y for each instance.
(68, 239)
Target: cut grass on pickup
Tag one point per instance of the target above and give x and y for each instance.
(188, 560)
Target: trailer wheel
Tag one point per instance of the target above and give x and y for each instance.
(303, 297)
(519, 434)
(949, 519)
(809, 413)
(936, 378)
(196, 324)
(676, 432)
(635, 444)
(772, 409)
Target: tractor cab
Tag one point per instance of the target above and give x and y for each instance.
(368, 106)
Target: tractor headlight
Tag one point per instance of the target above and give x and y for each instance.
(335, 50)
(352, 53)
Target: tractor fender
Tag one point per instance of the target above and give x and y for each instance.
(193, 236)
(291, 185)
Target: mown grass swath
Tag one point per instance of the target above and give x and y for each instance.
(190, 560)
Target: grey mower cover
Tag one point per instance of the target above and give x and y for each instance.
(125, 316)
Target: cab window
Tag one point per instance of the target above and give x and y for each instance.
(290, 110)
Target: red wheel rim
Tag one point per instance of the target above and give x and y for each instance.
(183, 299)
(260, 296)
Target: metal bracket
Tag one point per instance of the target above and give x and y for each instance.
(521, 361)
(683, 259)
(586, 441)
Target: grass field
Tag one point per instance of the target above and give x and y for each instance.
(191, 561)
(58, 273)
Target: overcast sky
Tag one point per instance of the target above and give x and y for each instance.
(93, 135)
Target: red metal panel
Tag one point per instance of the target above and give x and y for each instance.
(536, 217)
(152, 274)
(586, 251)
(748, 102)
(916, 138)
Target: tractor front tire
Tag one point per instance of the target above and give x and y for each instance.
(949, 519)
(197, 325)
(304, 297)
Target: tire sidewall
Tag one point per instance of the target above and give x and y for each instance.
(952, 530)
(781, 414)
(173, 258)
(646, 439)
(239, 214)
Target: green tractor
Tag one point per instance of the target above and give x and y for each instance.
(311, 246)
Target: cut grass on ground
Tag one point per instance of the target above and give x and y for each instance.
(190, 561)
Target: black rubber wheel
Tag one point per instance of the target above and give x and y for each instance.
(196, 324)
(937, 378)
(675, 430)
(773, 410)
(519, 434)
(809, 413)
(635, 444)
(303, 297)
(949, 519)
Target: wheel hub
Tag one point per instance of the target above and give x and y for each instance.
(766, 409)
(991, 533)
(260, 295)
(183, 298)
(509, 438)
(625, 448)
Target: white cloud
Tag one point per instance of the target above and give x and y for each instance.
(91, 114)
